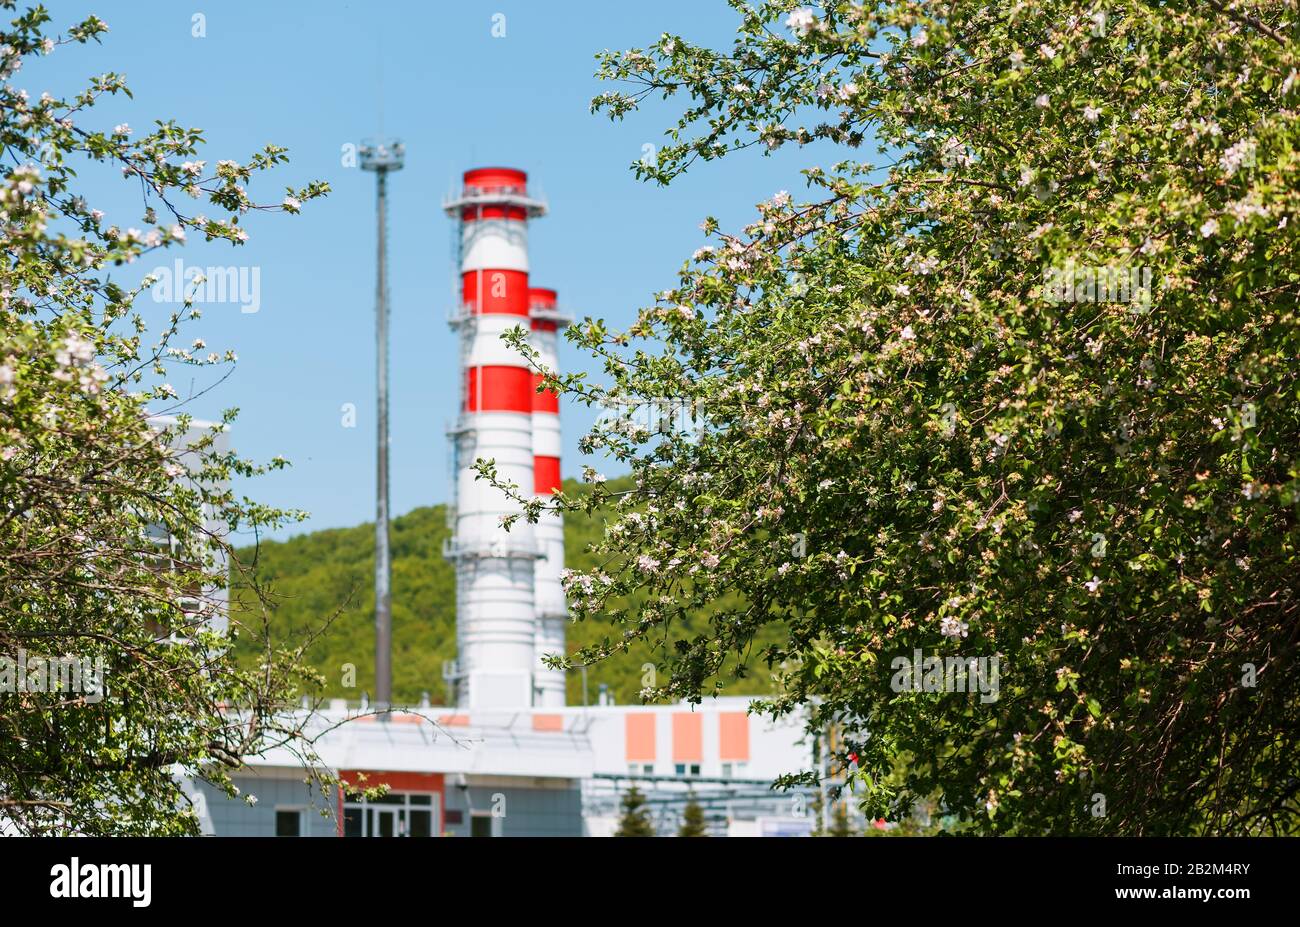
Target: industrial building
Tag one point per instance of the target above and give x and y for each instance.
(530, 772)
(510, 758)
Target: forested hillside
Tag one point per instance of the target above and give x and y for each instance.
(313, 576)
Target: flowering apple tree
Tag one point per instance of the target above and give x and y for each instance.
(114, 522)
(1020, 386)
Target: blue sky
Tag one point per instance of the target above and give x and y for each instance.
(311, 76)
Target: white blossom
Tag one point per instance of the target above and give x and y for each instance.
(954, 627)
(801, 21)
(76, 351)
(1240, 155)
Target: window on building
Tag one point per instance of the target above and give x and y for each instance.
(352, 821)
(194, 601)
(688, 769)
(641, 769)
(288, 822)
(397, 814)
(483, 825)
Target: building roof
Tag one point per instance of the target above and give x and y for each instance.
(437, 741)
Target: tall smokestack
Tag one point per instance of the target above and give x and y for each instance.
(496, 617)
(552, 610)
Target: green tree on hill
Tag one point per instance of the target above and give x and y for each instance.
(330, 573)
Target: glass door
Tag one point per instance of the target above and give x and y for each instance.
(393, 815)
(385, 822)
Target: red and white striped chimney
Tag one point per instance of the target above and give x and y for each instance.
(552, 610)
(495, 595)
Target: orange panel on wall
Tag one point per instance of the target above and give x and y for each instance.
(688, 737)
(397, 781)
(733, 737)
(640, 730)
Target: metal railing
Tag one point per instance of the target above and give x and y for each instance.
(504, 196)
(454, 548)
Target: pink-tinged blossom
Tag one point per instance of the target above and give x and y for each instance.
(1240, 155)
(953, 627)
(76, 351)
(801, 21)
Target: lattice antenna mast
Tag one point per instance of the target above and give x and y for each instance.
(382, 156)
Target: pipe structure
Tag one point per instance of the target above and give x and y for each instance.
(552, 609)
(495, 568)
